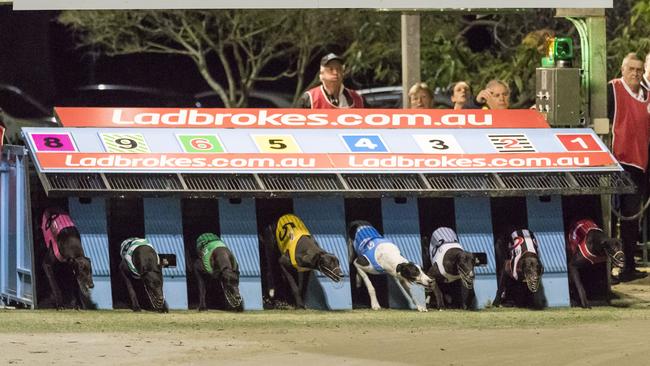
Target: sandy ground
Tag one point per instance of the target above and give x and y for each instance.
(596, 344)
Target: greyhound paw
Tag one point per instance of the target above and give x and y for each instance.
(137, 309)
(423, 309)
(375, 307)
(202, 308)
(272, 293)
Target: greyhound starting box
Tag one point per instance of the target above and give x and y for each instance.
(497, 167)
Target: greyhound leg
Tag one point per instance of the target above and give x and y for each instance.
(135, 305)
(405, 286)
(285, 262)
(440, 300)
(56, 291)
(374, 304)
(500, 289)
(201, 285)
(574, 276)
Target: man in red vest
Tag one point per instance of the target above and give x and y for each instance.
(331, 93)
(628, 108)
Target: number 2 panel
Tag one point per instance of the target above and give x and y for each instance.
(124, 143)
(438, 144)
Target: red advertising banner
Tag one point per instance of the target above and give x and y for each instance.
(322, 162)
(297, 118)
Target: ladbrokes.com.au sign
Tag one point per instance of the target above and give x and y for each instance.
(303, 4)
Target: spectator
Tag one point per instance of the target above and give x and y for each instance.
(420, 96)
(627, 108)
(331, 93)
(460, 94)
(496, 95)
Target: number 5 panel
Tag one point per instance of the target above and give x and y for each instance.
(438, 144)
(277, 144)
(124, 143)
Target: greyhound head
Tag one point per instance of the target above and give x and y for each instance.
(226, 272)
(413, 273)
(465, 265)
(531, 269)
(83, 273)
(614, 250)
(329, 265)
(153, 286)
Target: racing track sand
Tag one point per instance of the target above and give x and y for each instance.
(601, 336)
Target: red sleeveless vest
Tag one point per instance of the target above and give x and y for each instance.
(319, 100)
(631, 127)
(578, 241)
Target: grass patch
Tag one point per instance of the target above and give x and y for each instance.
(38, 321)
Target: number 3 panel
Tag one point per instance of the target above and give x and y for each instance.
(438, 144)
(124, 143)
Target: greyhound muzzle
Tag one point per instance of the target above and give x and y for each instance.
(467, 279)
(232, 295)
(532, 283)
(334, 274)
(618, 259)
(157, 302)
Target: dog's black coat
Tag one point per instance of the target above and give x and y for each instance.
(225, 274)
(145, 260)
(456, 293)
(75, 261)
(600, 245)
(308, 255)
(513, 292)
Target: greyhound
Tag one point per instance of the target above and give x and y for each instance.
(378, 255)
(589, 245)
(518, 253)
(63, 244)
(141, 262)
(299, 253)
(216, 262)
(450, 263)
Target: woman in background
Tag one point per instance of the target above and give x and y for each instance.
(420, 96)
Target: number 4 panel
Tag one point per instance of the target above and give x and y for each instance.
(124, 143)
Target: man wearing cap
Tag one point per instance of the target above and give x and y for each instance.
(331, 93)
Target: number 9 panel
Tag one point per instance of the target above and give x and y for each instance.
(124, 143)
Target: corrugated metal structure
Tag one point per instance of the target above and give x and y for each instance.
(325, 219)
(402, 226)
(90, 219)
(545, 220)
(474, 229)
(163, 228)
(16, 249)
(239, 231)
